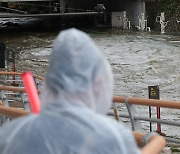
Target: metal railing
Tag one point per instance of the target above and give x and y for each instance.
(12, 93)
(7, 93)
(136, 119)
(154, 145)
(18, 74)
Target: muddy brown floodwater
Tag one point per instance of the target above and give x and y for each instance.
(138, 60)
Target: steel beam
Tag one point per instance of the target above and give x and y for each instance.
(8, 15)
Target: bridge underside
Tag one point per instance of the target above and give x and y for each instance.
(113, 5)
(133, 8)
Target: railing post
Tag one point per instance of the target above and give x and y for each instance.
(25, 101)
(154, 94)
(5, 102)
(11, 59)
(136, 125)
(115, 111)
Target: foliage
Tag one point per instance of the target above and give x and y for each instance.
(171, 8)
(168, 6)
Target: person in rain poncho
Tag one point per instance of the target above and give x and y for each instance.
(77, 94)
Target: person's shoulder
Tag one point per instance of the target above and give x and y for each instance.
(124, 135)
(113, 122)
(116, 127)
(13, 125)
(121, 135)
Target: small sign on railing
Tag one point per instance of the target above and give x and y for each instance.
(154, 94)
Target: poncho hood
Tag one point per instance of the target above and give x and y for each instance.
(78, 73)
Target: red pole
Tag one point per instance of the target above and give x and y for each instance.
(154, 94)
(158, 117)
(31, 91)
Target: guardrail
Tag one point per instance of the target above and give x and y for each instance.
(14, 79)
(129, 102)
(135, 119)
(153, 144)
(12, 112)
(12, 90)
(147, 102)
(18, 74)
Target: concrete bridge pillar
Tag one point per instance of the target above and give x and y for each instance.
(134, 10)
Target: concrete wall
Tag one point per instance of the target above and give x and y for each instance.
(116, 19)
(132, 8)
(151, 14)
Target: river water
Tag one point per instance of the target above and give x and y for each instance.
(138, 60)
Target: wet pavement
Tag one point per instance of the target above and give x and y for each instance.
(138, 60)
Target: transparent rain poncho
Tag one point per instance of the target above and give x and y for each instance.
(77, 94)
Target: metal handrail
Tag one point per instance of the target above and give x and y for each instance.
(12, 88)
(19, 73)
(145, 119)
(120, 99)
(15, 89)
(147, 102)
(154, 146)
(135, 119)
(12, 112)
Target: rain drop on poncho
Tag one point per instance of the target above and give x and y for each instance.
(76, 97)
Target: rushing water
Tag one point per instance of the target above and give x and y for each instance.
(138, 60)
